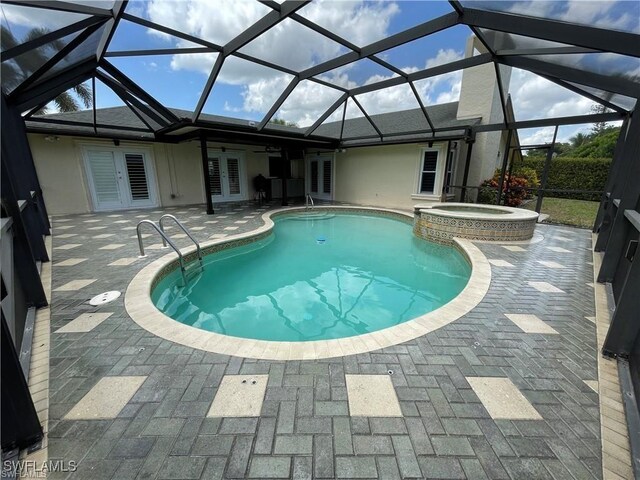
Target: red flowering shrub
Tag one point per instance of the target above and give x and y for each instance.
(514, 189)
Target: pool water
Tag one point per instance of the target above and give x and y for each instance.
(317, 278)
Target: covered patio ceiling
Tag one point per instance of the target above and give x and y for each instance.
(48, 62)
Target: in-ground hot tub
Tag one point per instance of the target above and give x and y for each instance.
(443, 221)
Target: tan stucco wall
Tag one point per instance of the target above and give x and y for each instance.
(178, 171)
(379, 176)
(61, 175)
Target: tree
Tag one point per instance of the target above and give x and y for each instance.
(601, 145)
(281, 121)
(19, 68)
(598, 127)
(578, 139)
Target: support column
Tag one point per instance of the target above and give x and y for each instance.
(507, 149)
(24, 259)
(445, 183)
(284, 157)
(205, 173)
(20, 425)
(614, 170)
(513, 154)
(545, 172)
(625, 327)
(619, 172)
(467, 165)
(19, 166)
(629, 196)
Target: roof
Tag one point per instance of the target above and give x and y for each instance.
(122, 122)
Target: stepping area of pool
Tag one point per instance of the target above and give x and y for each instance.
(509, 390)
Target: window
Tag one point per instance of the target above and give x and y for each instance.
(137, 176)
(429, 170)
(435, 169)
(326, 176)
(314, 176)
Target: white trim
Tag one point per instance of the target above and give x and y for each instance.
(242, 172)
(307, 184)
(120, 151)
(426, 196)
(441, 149)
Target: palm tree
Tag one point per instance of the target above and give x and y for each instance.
(578, 139)
(18, 69)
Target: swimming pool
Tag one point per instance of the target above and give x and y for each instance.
(317, 277)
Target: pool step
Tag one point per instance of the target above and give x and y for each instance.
(193, 268)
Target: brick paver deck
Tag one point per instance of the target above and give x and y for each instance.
(304, 429)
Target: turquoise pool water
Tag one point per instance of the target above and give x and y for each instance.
(318, 278)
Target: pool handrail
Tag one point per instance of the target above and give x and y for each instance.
(309, 200)
(183, 228)
(164, 238)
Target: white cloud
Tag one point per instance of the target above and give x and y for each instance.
(444, 56)
(289, 44)
(260, 95)
(612, 14)
(359, 22)
(297, 47)
(217, 22)
(536, 136)
(534, 97)
(307, 102)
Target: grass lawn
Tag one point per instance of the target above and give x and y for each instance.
(579, 213)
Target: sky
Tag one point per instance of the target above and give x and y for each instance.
(247, 91)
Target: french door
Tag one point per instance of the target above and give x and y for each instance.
(226, 175)
(120, 178)
(320, 176)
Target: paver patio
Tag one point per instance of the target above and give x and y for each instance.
(304, 428)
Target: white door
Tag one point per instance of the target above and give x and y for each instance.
(119, 178)
(226, 172)
(320, 177)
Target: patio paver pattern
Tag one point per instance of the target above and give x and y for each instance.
(304, 428)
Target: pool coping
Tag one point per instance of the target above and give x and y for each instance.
(141, 309)
(510, 214)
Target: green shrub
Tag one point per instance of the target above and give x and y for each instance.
(533, 181)
(487, 194)
(571, 174)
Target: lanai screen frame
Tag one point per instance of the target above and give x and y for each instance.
(31, 95)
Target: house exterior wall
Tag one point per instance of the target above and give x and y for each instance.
(378, 176)
(383, 175)
(178, 169)
(61, 175)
